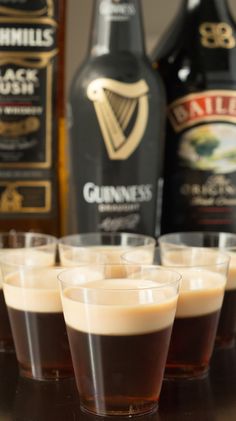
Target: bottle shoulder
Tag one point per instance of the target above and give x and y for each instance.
(123, 67)
(205, 69)
(198, 54)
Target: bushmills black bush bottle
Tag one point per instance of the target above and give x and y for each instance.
(32, 132)
(197, 60)
(117, 117)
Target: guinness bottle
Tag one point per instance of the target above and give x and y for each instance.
(117, 113)
(197, 60)
(31, 115)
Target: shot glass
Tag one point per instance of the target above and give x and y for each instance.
(225, 242)
(204, 275)
(34, 307)
(110, 245)
(119, 332)
(30, 244)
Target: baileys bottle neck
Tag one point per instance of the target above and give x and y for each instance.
(201, 28)
(211, 9)
(117, 27)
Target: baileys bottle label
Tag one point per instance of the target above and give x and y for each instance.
(206, 124)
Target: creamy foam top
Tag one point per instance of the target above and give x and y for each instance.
(201, 292)
(142, 256)
(110, 314)
(73, 256)
(196, 256)
(70, 255)
(39, 290)
(112, 253)
(25, 256)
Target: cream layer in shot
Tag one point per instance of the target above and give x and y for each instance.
(26, 257)
(201, 292)
(37, 292)
(114, 254)
(103, 254)
(116, 315)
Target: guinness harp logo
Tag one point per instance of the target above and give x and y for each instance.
(122, 113)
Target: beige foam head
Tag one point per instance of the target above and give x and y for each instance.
(24, 257)
(36, 290)
(201, 292)
(119, 307)
(192, 257)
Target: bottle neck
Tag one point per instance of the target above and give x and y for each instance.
(117, 27)
(210, 9)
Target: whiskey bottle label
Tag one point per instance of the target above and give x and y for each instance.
(25, 197)
(28, 59)
(206, 154)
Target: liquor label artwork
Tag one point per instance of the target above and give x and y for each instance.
(122, 113)
(210, 145)
(28, 60)
(217, 35)
(206, 123)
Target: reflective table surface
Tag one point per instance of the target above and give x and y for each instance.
(209, 399)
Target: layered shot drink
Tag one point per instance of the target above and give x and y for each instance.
(204, 275)
(34, 306)
(226, 243)
(119, 332)
(195, 324)
(36, 247)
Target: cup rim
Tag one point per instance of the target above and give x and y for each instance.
(7, 260)
(100, 265)
(63, 240)
(225, 257)
(35, 286)
(163, 239)
(13, 234)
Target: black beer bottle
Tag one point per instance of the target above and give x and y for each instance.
(117, 114)
(197, 60)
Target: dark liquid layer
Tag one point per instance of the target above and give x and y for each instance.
(124, 373)
(6, 340)
(41, 344)
(191, 345)
(227, 323)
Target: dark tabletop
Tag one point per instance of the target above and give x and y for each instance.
(209, 399)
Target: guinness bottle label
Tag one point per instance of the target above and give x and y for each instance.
(117, 10)
(122, 112)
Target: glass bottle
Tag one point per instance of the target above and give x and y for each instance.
(117, 118)
(197, 60)
(32, 134)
